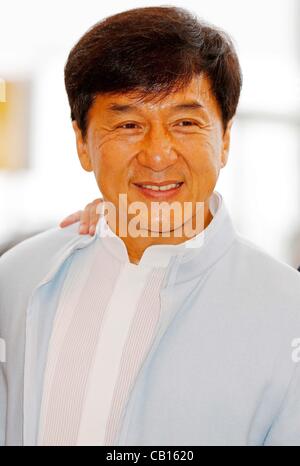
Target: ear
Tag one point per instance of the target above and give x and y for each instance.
(82, 149)
(226, 144)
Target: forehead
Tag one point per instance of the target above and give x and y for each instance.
(197, 91)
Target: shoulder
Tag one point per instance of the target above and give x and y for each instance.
(42, 245)
(268, 283)
(26, 263)
(253, 258)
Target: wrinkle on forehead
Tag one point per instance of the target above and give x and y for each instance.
(199, 86)
(198, 89)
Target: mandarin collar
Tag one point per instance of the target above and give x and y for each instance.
(159, 255)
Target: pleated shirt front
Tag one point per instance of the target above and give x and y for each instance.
(106, 319)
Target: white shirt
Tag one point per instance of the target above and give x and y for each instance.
(105, 322)
(223, 368)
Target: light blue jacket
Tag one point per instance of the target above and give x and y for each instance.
(221, 370)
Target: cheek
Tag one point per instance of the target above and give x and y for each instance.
(110, 167)
(205, 157)
(204, 166)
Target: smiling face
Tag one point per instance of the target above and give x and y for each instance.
(178, 139)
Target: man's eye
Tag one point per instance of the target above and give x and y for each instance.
(128, 125)
(186, 123)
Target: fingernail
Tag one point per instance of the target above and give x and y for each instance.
(92, 230)
(81, 228)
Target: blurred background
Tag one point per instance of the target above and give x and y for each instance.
(41, 180)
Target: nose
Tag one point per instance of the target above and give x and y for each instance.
(157, 152)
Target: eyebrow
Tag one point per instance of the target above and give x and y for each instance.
(124, 108)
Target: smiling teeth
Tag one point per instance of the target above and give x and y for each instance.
(160, 188)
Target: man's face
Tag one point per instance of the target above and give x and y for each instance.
(179, 139)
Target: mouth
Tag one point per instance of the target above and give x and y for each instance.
(159, 191)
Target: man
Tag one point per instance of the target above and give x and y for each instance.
(173, 336)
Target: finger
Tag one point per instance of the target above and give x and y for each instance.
(94, 215)
(85, 220)
(70, 219)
